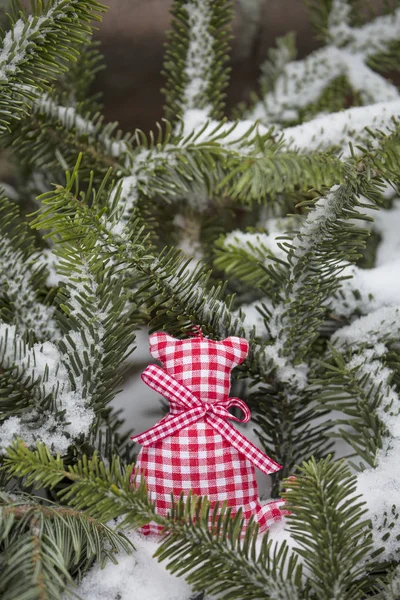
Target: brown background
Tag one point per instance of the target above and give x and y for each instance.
(133, 34)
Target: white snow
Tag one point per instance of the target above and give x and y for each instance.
(256, 244)
(301, 83)
(200, 54)
(137, 576)
(43, 362)
(253, 319)
(18, 41)
(71, 119)
(338, 129)
(16, 274)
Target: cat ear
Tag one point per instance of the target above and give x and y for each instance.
(159, 343)
(239, 347)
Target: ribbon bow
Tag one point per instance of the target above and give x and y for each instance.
(186, 409)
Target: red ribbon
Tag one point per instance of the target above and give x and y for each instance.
(186, 409)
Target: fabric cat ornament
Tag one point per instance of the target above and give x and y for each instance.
(194, 447)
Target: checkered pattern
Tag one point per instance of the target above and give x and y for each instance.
(194, 448)
(204, 366)
(187, 409)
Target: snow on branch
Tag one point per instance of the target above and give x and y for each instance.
(16, 274)
(317, 254)
(43, 365)
(79, 372)
(72, 120)
(22, 37)
(196, 57)
(96, 339)
(336, 130)
(22, 277)
(368, 337)
(302, 83)
(199, 56)
(369, 39)
(261, 246)
(378, 326)
(299, 84)
(171, 168)
(29, 48)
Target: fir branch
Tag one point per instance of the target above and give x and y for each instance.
(95, 320)
(44, 546)
(22, 278)
(328, 14)
(195, 61)
(298, 91)
(354, 378)
(104, 492)
(273, 172)
(288, 428)
(345, 386)
(317, 255)
(75, 86)
(189, 546)
(170, 287)
(247, 256)
(278, 58)
(38, 48)
(54, 413)
(346, 131)
(328, 524)
(58, 133)
(77, 378)
(202, 553)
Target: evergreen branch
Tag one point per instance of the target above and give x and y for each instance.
(95, 320)
(300, 90)
(75, 86)
(22, 278)
(278, 58)
(170, 287)
(344, 130)
(386, 157)
(202, 553)
(195, 61)
(287, 427)
(44, 546)
(328, 14)
(327, 523)
(299, 85)
(274, 172)
(194, 160)
(317, 255)
(38, 48)
(369, 39)
(358, 391)
(76, 379)
(54, 413)
(190, 548)
(58, 133)
(247, 256)
(104, 492)
(355, 379)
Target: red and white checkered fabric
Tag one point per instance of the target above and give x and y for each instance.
(194, 447)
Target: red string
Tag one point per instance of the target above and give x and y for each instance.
(198, 330)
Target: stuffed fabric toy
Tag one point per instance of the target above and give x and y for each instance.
(194, 447)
